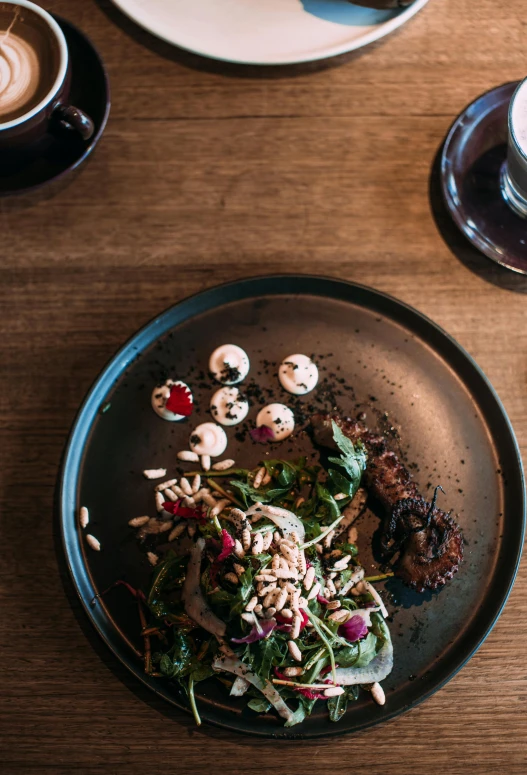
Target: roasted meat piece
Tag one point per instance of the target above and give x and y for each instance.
(428, 541)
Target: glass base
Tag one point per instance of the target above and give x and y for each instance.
(475, 185)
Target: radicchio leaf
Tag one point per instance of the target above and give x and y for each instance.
(266, 626)
(354, 629)
(227, 545)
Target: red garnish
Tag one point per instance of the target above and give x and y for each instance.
(322, 600)
(180, 400)
(285, 624)
(309, 693)
(227, 545)
(262, 434)
(175, 508)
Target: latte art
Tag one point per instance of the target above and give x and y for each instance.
(19, 74)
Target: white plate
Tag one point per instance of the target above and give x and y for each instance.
(265, 32)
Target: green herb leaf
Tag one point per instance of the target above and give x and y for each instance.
(352, 458)
(168, 576)
(337, 705)
(260, 706)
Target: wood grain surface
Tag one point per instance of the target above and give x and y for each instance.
(209, 173)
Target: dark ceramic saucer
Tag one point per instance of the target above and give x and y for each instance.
(54, 156)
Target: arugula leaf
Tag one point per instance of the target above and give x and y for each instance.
(177, 662)
(243, 593)
(367, 650)
(347, 657)
(339, 482)
(168, 576)
(352, 458)
(327, 503)
(265, 654)
(337, 705)
(260, 706)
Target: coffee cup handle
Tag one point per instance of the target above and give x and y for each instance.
(74, 119)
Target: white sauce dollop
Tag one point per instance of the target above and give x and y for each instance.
(160, 396)
(208, 439)
(228, 407)
(278, 417)
(298, 374)
(229, 364)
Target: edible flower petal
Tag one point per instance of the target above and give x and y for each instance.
(262, 434)
(175, 508)
(263, 631)
(354, 629)
(227, 545)
(179, 401)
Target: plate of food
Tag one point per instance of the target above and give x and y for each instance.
(292, 506)
(277, 32)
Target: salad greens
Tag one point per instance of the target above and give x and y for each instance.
(301, 625)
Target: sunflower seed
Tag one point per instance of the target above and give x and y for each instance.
(93, 543)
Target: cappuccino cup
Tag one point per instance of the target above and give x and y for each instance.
(35, 77)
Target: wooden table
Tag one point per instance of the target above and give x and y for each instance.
(208, 173)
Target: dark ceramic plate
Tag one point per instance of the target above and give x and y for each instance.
(452, 425)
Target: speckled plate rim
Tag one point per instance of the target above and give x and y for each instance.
(255, 287)
(160, 31)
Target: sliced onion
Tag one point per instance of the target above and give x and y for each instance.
(195, 604)
(237, 667)
(378, 599)
(380, 666)
(284, 519)
(239, 687)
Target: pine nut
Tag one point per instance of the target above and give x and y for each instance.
(246, 539)
(160, 499)
(275, 562)
(270, 612)
(333, 605)
(281, 599)
(302, 602)
(286, 613)
(342, 615)
(93, 543)
(238, 569)
(170, 496)
(319, 548)
(294, 651)
(330, 586)
(269, 598)
(249, 617)
(283, 563)
(232, 577)
(189, 502)
(208, 499)
(177, 531)
(286, 574)
(138, 521)
(178, 491)
(353, 534)
(377, 692)
(293, 672)
(258, 608)
(343, 563)
(277, 537)
(165, 485)
(196, 484)
(295, 632)
(309, 578)
(153, 559)
(340, 496)
(302, 563)
(188, 456)
(185, 485)
(328, 539)
(223, 465)
(154, 473)
(265, 577)
(334, 691)
(258, 478)
(253, 602)
(267, 478)
(218, 508)
(263, 591)
(84, 517)
(267, 540)
(314, 591)
(257, 546)
(205, 462)
(299, 501)
(238, 550)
